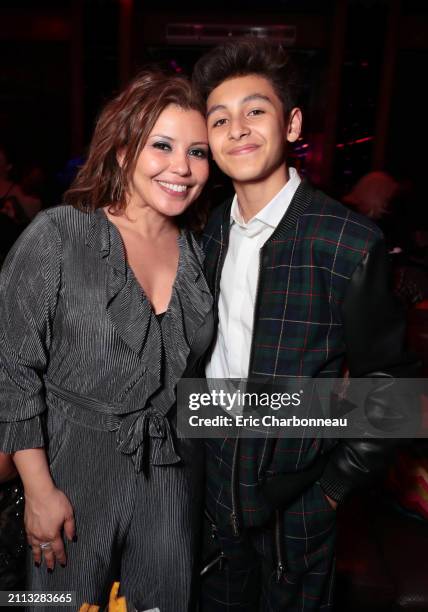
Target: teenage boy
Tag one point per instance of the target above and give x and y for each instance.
(300, 285)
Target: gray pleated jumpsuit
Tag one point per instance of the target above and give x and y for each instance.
(88, 371)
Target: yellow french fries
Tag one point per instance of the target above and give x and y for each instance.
(115, 603)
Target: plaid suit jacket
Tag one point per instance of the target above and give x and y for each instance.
(305, 269)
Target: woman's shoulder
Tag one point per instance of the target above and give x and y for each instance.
(54, 228)
(37, 250)
(65, 214)
(70, 222)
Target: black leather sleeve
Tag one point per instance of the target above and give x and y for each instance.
(374, 328)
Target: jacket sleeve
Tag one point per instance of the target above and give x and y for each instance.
(29, 286)
(374, 328)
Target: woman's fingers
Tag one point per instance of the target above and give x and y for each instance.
(49, 556)
(58, 550)
(69, 527)
(37, 552)
(50, 550)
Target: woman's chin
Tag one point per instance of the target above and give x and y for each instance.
(174, 209)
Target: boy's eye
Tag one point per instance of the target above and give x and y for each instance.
(163, 146)
(256, 111)
(200, 153)
(219, 122)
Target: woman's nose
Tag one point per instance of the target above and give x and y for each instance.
(180, 164)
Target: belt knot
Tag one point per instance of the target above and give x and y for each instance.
(139, 431)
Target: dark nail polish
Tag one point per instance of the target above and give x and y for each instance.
(50, 570)
(36, 564)
(74, 538)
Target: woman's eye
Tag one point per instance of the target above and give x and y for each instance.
(219, 122)
(200, 153)
(163, 146)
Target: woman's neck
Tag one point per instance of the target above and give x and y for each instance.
(145, 221)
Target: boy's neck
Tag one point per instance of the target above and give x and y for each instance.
(253, 196)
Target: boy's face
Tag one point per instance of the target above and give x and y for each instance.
(247, 131)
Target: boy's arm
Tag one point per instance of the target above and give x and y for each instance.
(374, 327)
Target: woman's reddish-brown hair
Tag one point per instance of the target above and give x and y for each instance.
(123, 127)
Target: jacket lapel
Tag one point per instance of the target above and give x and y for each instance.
(214, 266)
(301, 200)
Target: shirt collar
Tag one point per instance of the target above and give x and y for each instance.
(272, 213)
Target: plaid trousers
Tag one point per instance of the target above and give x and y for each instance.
(247, 580)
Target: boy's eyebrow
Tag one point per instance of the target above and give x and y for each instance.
(215, 108)
(254, 96)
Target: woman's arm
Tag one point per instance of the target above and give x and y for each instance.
(29, 288)
(47, 509)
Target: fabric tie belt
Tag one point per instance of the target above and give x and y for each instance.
(145, 435)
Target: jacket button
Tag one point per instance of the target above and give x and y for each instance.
(265, 260)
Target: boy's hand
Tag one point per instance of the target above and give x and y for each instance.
(332, 503)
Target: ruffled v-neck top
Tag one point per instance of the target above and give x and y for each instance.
(77, 329)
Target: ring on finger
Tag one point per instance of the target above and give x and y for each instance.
(44, 545)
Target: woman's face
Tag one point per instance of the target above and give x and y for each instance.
(172, 167)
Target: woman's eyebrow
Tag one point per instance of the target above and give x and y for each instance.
(161, 136)
(192, 144)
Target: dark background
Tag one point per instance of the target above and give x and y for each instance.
(365, 104)
(364, 61)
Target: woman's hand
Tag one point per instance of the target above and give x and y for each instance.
(47, 509)
(46, 515)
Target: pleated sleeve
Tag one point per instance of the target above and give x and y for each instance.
(29, 288)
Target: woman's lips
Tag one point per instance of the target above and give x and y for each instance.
(174, 189)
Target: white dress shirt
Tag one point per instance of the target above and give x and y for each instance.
(238, 284)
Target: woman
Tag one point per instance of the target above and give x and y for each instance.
(104, 308)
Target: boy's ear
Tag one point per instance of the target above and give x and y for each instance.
(294, 126)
